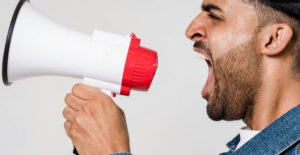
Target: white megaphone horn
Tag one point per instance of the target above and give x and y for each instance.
(37, 46)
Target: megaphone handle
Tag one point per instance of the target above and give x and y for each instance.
(103, 86)
(107, 92)
(97, 84)
(75, 151)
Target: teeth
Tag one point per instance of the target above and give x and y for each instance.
(201, 56)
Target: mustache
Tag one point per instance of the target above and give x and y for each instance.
(201, 45)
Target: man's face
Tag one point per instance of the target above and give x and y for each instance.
(225, 33)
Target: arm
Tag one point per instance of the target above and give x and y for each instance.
(95, 124)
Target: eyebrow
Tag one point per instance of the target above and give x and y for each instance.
(208, 7)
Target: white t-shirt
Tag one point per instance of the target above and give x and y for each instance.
(245, 135)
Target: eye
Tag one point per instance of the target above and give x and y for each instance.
(212, 16)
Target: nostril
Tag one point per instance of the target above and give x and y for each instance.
(197, 36)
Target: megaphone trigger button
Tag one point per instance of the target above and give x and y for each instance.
(114, 94)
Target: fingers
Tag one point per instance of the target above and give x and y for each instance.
(74, 102)
(68, 126)
(85, 92)
(69, 114)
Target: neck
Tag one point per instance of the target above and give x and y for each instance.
(278, 94)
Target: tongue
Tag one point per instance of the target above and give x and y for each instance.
(205, 88)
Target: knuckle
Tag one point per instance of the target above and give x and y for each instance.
(85, 107)
(100, 99)
(67, 98)
(65, 111)
(76, 87)
(90, 109)
(82, 105)
(78, 120)
(67, 124)
(94, 95)
(73, 133)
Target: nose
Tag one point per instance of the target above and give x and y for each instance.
(196, 30)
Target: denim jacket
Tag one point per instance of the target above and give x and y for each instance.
(282, 137)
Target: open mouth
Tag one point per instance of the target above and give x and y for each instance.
(203, 56)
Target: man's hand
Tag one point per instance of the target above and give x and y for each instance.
(95, 124)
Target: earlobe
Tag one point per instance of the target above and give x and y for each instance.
(275, 39)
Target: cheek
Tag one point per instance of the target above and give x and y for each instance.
(225, 40)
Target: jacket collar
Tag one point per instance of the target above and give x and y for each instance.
(233, 143)
(274, 139)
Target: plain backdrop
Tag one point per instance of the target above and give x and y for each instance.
(168, 119)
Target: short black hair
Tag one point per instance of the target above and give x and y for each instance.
(289, 7)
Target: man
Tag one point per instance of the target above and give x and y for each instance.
(252, 48)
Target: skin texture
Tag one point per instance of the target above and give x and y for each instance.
(246, 60)
(232, 73)
(252, 79)
(95, 124)
(231, 47)
(236, 69)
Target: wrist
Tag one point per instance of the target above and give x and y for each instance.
(117, 149)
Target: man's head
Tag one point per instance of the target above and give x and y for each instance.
(241, 39)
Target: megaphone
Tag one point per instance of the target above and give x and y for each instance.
(37, 46)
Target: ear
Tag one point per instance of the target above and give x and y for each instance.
(275, 38)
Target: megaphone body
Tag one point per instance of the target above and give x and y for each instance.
(37, 46)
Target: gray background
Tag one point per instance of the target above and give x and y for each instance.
(169, 119)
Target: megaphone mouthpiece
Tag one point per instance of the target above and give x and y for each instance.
(140, 66)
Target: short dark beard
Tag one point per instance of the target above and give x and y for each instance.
(237, 77)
